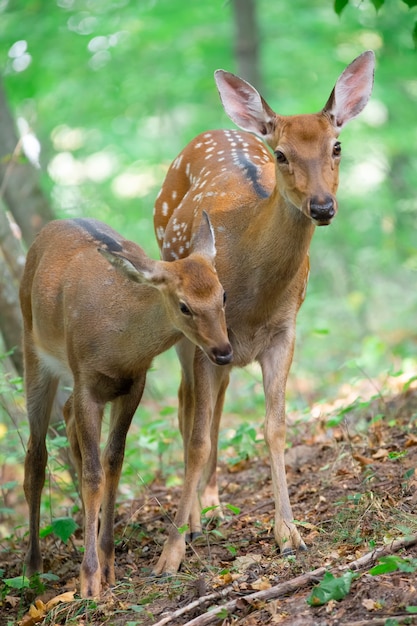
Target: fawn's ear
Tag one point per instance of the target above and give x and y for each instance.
(244, 105)
(137, 267)
(352, 90)
(203, 241)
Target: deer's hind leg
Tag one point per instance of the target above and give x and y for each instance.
(40, 386)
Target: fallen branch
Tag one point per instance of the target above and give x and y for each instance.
(216, 595)
(371, 557)
(283, 589)
(266, 594)
(381, 621)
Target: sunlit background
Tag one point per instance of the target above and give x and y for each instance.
(106, 93)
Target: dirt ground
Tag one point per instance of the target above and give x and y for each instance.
(353, 488)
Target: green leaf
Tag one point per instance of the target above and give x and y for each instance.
(415, 34)
(183, 529)
(378, 4)
(410, 3)
(411, 609)
(233, 509)
(339, 5)
(392, 563)
(64, 527)
(19, 582)
(331, 588)
(208, 509)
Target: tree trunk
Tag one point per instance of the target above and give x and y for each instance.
(10, 315)
(19, 181)
(247, 41)
(21, 192)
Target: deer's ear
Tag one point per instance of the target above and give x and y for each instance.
(137, 267)
(244, 105)
(203, 241)
(352, 90)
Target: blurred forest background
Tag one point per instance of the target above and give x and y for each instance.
(103, 94)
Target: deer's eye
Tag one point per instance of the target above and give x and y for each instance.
(280, 157)
(224, 298)
(337, 149)
(184, 309)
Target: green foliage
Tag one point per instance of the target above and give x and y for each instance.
(331, 588)
(114, 90)
(393, 563)
(340, 5)
(62, 527)
(243, 442)
(20, 583)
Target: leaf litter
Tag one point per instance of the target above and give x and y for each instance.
(353, 491)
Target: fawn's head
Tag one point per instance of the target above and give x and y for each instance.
(193, 297)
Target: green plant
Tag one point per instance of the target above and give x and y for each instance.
(243, 441)
(62, 527)
(393, 563)
(331, 588)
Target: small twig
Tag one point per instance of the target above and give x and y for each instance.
(371, 557)
(403, 618)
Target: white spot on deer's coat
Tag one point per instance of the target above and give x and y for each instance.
(165, 209)
(177, 163)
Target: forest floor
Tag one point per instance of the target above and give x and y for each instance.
(354, 490)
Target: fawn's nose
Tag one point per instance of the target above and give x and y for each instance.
(222, 356)
(322, 211)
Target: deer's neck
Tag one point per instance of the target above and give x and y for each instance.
(267, 257)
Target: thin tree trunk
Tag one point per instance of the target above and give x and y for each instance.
(10, 315)
(11, 243)
(247, 41)
(19, 180)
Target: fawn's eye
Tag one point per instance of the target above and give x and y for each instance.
(337, 149)
(184, 309)
(224, 298)
(280, 157)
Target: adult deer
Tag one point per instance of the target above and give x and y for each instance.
(264, 208)
(97, 326)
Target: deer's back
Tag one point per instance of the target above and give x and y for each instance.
(231, 175)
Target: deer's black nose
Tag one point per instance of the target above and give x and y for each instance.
(322, 211)
(222, 356)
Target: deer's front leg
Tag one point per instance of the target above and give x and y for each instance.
(275, 363)
(123, 410)
(196, 435)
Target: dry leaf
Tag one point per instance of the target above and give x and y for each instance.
(369, 604)
(68, 596)
(226, 579)
(411, 441)
(243, 562)
(238, 467)
(35, 614)
(261, 584)
(382, 453)
(363, 460)
(12, 601)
